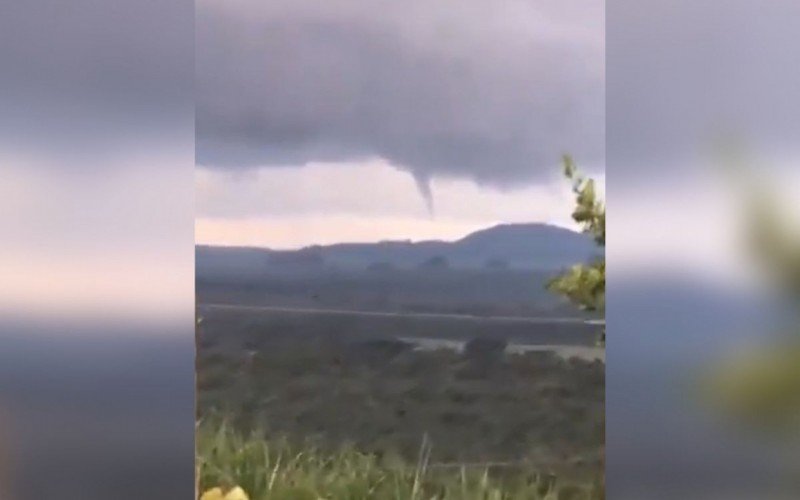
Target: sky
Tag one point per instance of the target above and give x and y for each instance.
(681, 75)
(367, 120)
(324, 203)
(363, 121)
(96, 159)
(319, 120)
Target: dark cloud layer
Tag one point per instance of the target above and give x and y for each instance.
(494, 90)
(84, 81)
(682, 71)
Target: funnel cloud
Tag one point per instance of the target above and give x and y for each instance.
(424, 186)
(493, 92)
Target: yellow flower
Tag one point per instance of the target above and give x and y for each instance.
(213, 494)
(236, 493)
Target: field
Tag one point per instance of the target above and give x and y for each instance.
(324, 382)
(273, 469)
(486, 292)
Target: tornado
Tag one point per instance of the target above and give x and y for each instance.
(423, 181)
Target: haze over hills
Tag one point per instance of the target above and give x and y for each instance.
(532, 246)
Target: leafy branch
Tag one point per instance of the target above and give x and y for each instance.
(585, 284)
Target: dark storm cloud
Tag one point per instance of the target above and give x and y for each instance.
(680, 72)
(494, 90)
(83, 80)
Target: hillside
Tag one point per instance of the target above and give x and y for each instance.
(520, 246)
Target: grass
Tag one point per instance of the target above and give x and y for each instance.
(274, 469)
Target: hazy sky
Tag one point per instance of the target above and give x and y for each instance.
(365, 120)
(96, 164)
(365, 201)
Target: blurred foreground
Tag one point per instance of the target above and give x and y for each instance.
(95, 412)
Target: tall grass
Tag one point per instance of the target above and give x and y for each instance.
(277, 470)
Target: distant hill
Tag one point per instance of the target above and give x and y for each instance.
(515, 246)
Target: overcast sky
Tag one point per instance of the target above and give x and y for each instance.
(319, 121)
(96, 167)
(681, 74)
(366, 120)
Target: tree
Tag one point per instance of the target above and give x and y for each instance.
(585, 284)
(760, 387)
(435, 262)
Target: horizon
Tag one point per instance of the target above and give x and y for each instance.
(324, 203)
(411, 241)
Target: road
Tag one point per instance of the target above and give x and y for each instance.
(470, 317)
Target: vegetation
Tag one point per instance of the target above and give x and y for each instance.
(585, 284)
(357, 412)
(382, 396)
(500, 290)
(761, 387)
(340, 407)
(264, 469)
